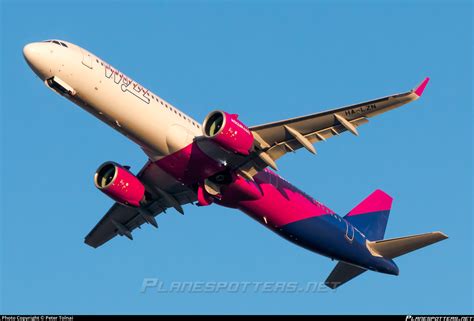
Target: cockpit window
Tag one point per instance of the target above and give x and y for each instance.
(57, 42)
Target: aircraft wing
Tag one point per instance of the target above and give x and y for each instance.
(122, 220)
(278, 138)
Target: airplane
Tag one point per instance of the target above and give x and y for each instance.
(223, 161)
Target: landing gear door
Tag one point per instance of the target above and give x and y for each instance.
(86, 59)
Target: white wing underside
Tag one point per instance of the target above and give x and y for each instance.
(273, 140)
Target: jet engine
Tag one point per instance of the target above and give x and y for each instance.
(120, 184)
(227, 131)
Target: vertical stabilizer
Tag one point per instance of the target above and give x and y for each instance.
(371, 215)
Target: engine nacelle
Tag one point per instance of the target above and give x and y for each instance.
(227, 131)
(119, 184)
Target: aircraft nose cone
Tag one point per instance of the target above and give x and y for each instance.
(35, 55)
(30, 52)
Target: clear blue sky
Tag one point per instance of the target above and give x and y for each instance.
(265, 60)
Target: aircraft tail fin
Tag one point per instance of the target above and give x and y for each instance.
(342, 273)
(392, 248)
(371, 216)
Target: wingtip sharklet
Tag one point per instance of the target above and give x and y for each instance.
(421, 87)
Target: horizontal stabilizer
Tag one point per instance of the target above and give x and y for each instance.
(393, 248)
(342, 273)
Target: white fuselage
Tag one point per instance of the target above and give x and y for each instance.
(144, 117)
